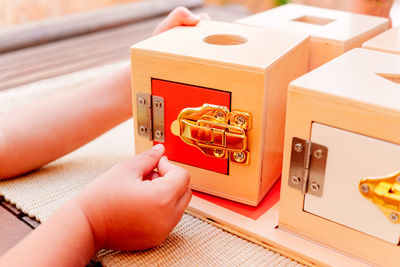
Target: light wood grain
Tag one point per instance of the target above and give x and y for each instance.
(258, 82)
(344, 32)
(388, 41)
(264, 231)
(349, 100)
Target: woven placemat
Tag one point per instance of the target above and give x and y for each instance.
(196, 243)
(38, 194)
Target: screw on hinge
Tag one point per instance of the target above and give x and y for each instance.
(315, 187)
(296, 179)
(158, 134)
(158, 104)
(142, 129)
(318, 153)
(298, 147)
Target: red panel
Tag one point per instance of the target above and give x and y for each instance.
(178, 96)
(248, 211)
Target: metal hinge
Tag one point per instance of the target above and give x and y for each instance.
(150, 116)
(307, 166)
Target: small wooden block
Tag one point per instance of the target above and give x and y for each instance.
(332, 32)
(350, 106)
(388, 41)
(233, 66)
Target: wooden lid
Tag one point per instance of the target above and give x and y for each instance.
(218, 43)
(320, 23)
(360, 77)
(388, 41)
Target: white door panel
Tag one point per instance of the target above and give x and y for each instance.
(352, 157)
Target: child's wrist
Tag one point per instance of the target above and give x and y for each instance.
(97, 242)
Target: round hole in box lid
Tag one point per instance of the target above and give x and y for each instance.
(225, 39)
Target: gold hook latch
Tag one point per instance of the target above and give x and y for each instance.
(215, 130)
(385, 193)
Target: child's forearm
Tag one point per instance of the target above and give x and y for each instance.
(66, 239)
(34, 135)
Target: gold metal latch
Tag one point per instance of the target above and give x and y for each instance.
(215, 130)
(384, 192)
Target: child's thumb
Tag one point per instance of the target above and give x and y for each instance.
(147, 161)
(165, 166)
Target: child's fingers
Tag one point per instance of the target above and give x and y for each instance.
(151, 176)
(147, 161)
(180, 16)
(204, 16)
(183, 201)
(177, 180)
(164, 166)
(175, 176)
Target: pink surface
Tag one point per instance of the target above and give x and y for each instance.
(249, 211)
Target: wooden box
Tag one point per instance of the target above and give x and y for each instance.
(388, 41)
(215, 96)
(341, 179)
(332, 32)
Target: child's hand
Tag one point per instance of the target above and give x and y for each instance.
(180, 16)
(132, 207)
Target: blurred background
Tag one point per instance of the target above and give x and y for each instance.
(14, 12)
(92, 33)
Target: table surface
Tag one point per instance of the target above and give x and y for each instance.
(14, 225)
